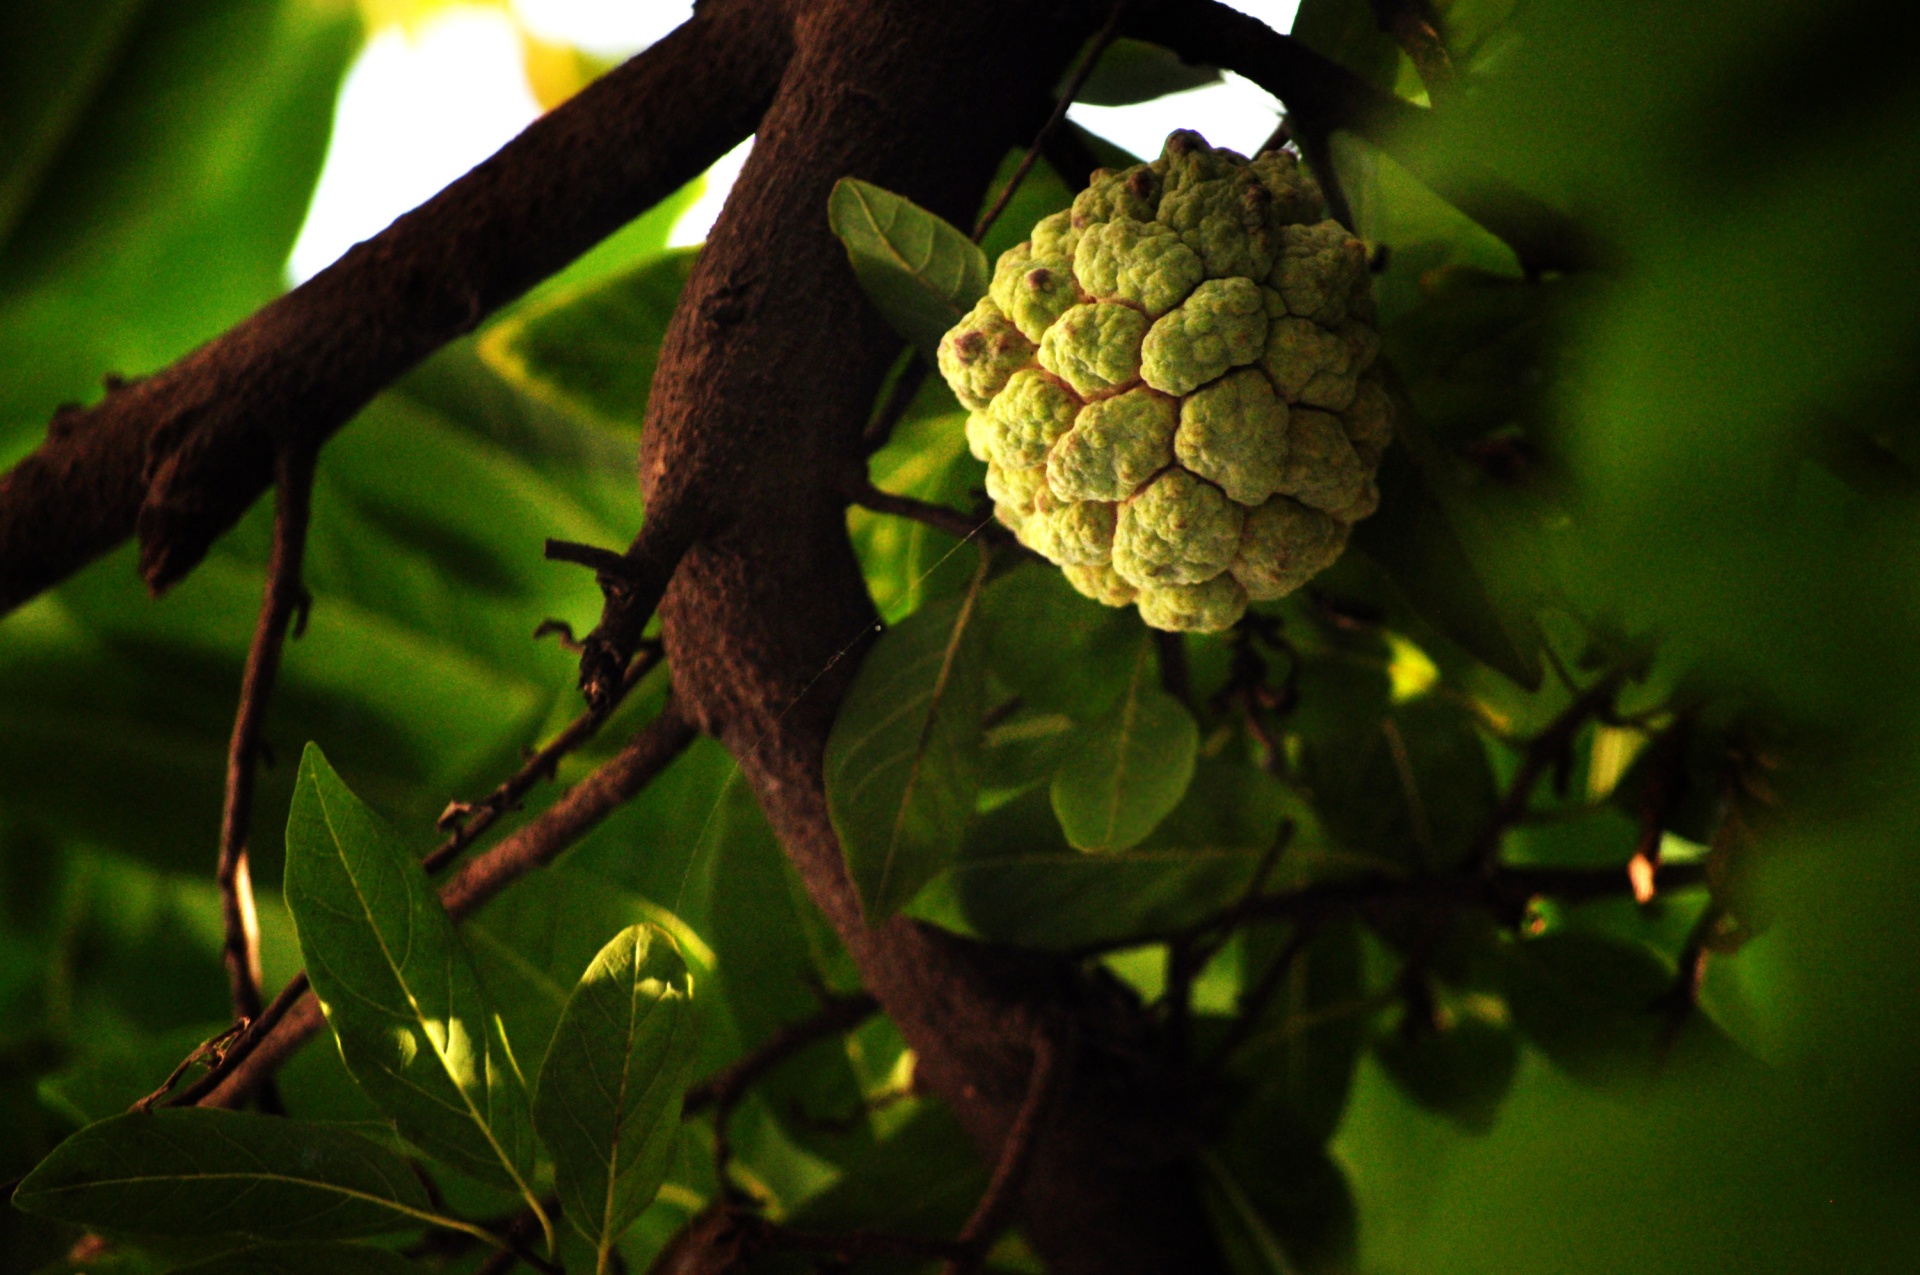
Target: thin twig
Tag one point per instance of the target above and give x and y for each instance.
(723, 1091)
(1543, 752)
(1052, 1060)
(284, 595)
(939, 517)
(1253, 1002)
(1067, 94)
(470, 821)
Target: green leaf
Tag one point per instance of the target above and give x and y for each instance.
(306, 1259)
(1072, 900)
(1415, 540)
(398, 987)
(1126, 771)
(1055, 648)
(1462, 1071)
(610, 1092)
(1299, 1062)
(162, 195)
(1280, 1209)
(1411, 786)
(1133, 71)
(194, 1171)
(921, 273)
(902, 766)
(923, 1180)
(592, 348)
(1589, 1003)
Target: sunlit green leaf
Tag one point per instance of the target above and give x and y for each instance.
(920, 273)
(610, 1092)
(190, 1171)
(1126, 770)
(902, 763)
(400, 991)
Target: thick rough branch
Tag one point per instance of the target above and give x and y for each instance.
(757, 412)
(183, 453)
(295, 1016)
(1325, 96)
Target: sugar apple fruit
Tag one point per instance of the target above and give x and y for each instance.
(1170, 385)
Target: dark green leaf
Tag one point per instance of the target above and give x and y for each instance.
(923, 1180)
(189, 1171)
(1589, 1002)
(1411, 787)
(1298, 1063)
(610, 1092)
(920, 273)
(306, 1259)
(1280, 1209)
(1348, 32)
(531, 943)
(1128, 769)
(1462, 1070)
(1415, 541)
(1134, 71)
(1057, 649)
(592, 348)
(173, 171)
(902, 765)
(1226, 804)
(400, 992)
(1073, 900)
(774, 952)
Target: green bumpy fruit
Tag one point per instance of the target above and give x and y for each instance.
(1171, 384)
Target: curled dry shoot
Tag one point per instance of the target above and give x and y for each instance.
(1333, 709)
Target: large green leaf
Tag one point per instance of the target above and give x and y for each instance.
(399, 989)
(190, 1171)
(192, 140)
(610, 1092)
(920, 273)
(1128, 769)
(1057, 649)
(1299, 1061)
(1461, 1069)
(306, 1259)
(902, 765)
(592, 348)
(531, 943)
(1280, 1209)
(1073, 900)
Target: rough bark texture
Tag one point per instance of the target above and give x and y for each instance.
(182, 454)
(755, 419)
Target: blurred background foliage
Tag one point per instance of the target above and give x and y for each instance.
(1691, 471)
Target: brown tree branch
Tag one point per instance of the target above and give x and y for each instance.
(181, 454)
(284, 595)
(1324, 97)
(1415, 27)
(940, 517)
(272, 1040)
(764, 388)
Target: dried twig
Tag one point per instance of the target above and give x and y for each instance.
(284, 596)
